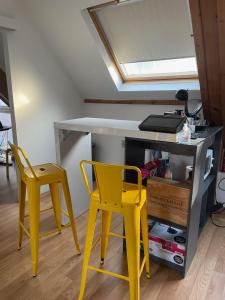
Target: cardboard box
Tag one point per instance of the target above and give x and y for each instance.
(168, 246)
(168, 200)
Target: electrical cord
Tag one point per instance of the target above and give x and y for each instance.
(217, 213)
(217, 225)
(221, 209)
(219, 184)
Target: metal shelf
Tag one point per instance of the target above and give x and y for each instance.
(167, 263)
(166, 222)
(207, 182)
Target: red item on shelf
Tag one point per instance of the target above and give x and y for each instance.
(147, 170)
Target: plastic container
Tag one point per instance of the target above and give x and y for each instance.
(186, 135)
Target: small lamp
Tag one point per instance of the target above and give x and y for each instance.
(183, 95)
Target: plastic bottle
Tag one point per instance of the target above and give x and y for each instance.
(186, 136)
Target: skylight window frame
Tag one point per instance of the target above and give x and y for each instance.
(131, 79)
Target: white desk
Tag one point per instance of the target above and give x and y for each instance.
(73, 143)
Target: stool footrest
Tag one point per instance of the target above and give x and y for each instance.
(64, 212)
(47, 233)
(25, 229)
(44, 234)
(126, 278)
(96, 242)
(117, 235)
(41, 211)
(142, 265)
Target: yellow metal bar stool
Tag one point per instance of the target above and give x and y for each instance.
(32, 178)
(113, 195)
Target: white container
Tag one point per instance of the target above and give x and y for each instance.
(186, 136)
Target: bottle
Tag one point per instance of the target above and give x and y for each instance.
(186, 136)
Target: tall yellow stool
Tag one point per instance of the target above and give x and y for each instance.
(32, 178)
(113, 195)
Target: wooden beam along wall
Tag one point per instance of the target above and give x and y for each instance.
(135, 102)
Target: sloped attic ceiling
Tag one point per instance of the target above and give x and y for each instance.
(63, 27)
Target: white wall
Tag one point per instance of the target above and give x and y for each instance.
(43, 92)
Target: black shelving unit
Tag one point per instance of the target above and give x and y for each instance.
(202, 198)
(167, 222)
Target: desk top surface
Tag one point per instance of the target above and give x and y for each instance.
(122, 128)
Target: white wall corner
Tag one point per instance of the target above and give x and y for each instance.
(8, 23)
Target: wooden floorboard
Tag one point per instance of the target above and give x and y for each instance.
(60, 267)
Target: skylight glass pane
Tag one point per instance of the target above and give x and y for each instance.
(2, 103)
(170, 67)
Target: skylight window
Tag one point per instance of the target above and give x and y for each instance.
(170, 67)
(148, 39)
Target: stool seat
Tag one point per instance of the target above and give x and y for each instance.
(31, 178)
(44, 173)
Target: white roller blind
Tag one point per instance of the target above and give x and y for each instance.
(148, 30)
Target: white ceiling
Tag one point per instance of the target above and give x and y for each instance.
(62, 26)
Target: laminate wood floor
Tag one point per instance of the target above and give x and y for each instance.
(60, 267)
(8, 187)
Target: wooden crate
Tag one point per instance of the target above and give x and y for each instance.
(168, 200)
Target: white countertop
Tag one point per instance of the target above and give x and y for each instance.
(122, 128)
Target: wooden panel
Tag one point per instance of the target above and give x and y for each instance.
(221, 28)
(208, 19)
(168, 200)
(210, 32)
(3, 87)
(135, 102)
(105, 42)
(200, 54)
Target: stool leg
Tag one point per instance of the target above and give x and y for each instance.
(132, 231)
(70, 212)
(88, 246)
(7, 163)
(106, 222)
(56, 204)
(22, 196)
(34, 213)
(144, 230)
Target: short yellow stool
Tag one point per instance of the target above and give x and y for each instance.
(113, 195)
(32, 178)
